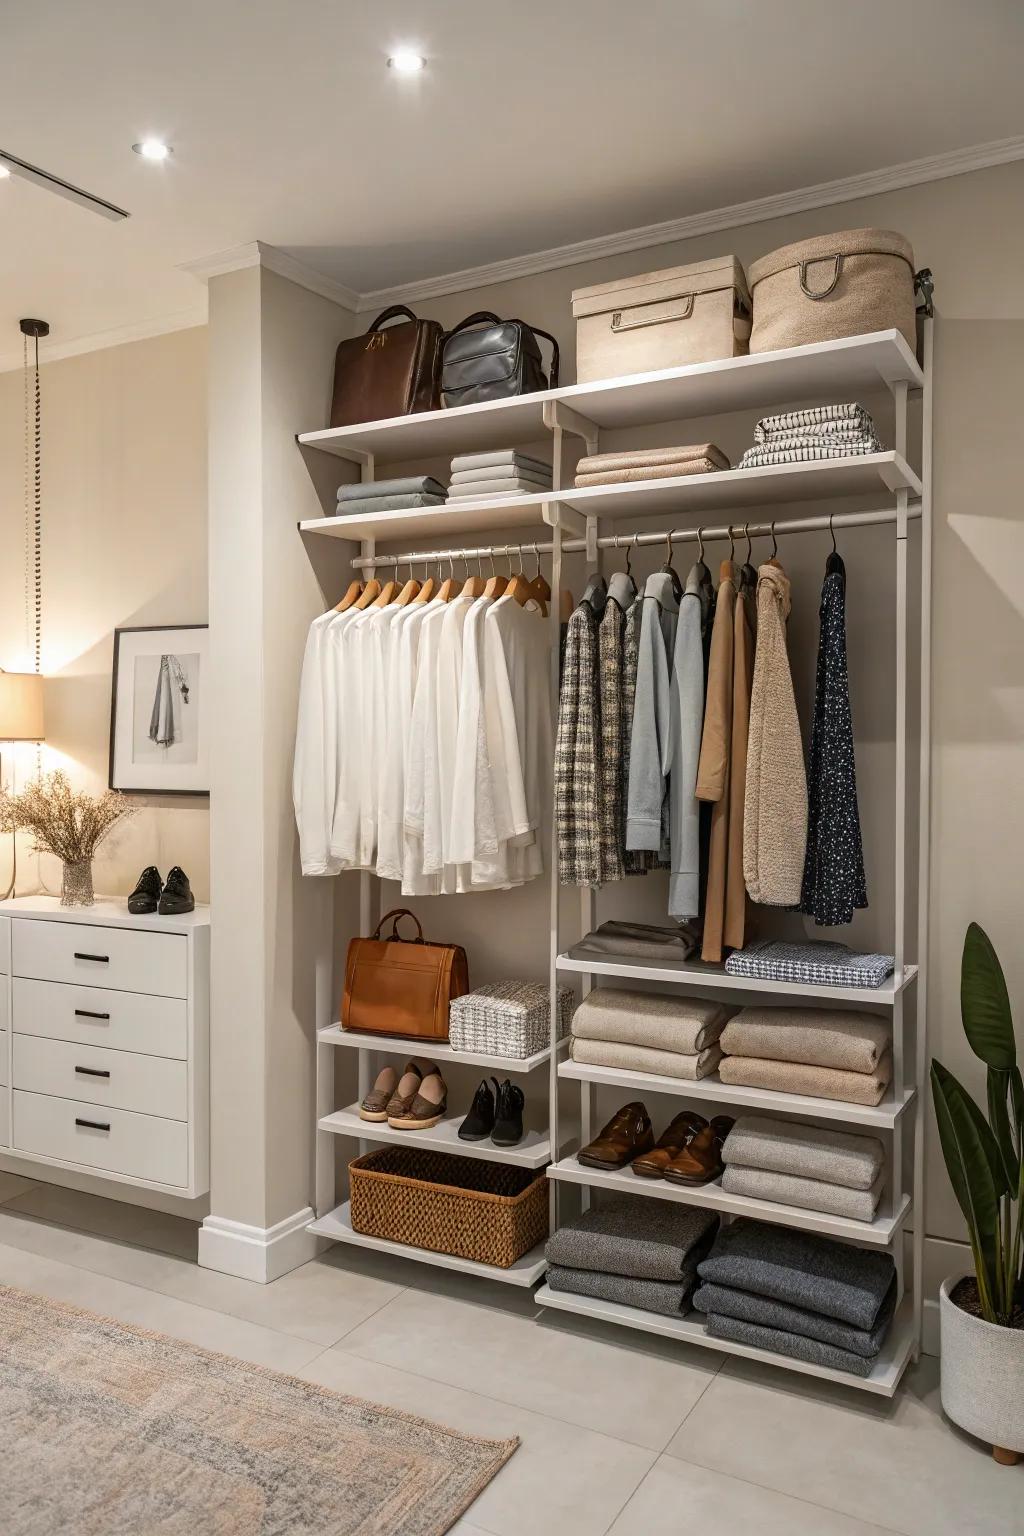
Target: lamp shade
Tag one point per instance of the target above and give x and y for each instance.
(21, 706)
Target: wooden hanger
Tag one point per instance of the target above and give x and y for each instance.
(496, 584)
(449, 587)
(539, 589)
(353, 592)
(389, 592)
(473, 586)
(370, 591)
(426, 592)
(519, 586)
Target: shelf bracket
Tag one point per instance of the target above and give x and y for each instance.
(593, 555)
(557, 515)
(560, 416)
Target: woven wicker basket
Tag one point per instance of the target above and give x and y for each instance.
(484, 1211)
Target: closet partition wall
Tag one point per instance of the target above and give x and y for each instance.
(568, 521)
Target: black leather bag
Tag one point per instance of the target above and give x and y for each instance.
(485, 358)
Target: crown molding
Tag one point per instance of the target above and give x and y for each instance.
(257, 253)
(119, 336)
(893, 178)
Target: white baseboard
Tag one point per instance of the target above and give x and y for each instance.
(257, 1253)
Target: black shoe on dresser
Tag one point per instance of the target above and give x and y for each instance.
(176, 897)
(146, 896)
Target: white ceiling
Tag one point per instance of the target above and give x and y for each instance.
(537, 123)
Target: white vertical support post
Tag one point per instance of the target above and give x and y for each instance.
(324, 1173)
(924, 834)
(554, 622)
(899, 1073)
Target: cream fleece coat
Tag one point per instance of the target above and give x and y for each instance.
(775, 800)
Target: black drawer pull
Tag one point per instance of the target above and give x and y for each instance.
(93, 1125)
(92, 1072)
(86, 1013)
(100, 959)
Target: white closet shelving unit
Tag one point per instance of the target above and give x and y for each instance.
(568, 520)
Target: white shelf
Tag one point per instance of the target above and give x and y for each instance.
(830, 370)
(881, 1116)
(438, 1051)
(532, 1152)
(878, 1233)
(337, 1225)
(689, 1329)
(463, 515)
(696, 974)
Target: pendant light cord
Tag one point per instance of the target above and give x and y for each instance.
(33, 405)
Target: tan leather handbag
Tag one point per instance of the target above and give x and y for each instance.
(397, 986)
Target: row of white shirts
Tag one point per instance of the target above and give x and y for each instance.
(424, 744)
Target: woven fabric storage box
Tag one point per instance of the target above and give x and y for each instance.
(507, 1018)
(846, 284)
(489, 1212)
(661, 320)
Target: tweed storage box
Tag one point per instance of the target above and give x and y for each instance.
(661, 319)
(488, 1212)
(846, 284)
(507, 1018)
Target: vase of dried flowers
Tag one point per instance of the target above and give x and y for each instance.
(71, 825)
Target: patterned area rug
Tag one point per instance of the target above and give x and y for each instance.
(106, 1430)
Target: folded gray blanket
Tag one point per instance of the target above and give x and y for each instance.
(640, 941)
(496, 472)
(802, 1269)
(816, 1082)
(806, 1151)
(808, 1194)
(395, 503)
(507, 485)
(642, 1058)
(644, 1239)
(495, 458)
(792, 1344)
(687, 1025)
(648, 1295)
(821, 1037)
(728, 1302)
(404, 485)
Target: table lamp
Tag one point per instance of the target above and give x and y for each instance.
(21, 719)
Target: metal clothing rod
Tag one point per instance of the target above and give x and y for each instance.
(641, 540)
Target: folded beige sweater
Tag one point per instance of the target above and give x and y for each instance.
(650, 1019)
(641, 1058)
(818, 1082)
(671, 471)
(821, 1037)
(809, 1194)
(642, 458)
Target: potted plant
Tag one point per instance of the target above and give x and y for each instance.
(982, 1315)
(65, 823)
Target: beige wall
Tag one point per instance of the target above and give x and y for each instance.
(124, 497)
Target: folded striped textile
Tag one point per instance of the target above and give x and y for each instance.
(795, 1345)
(407, 485)
(621, 1236)
(643, 458)
(819, 962)
(688, 1067)
(497, 471)
(507, 458)
(687, 1025)
(820, 418)
(671, 1300)
(762, 458)
(655, 472)
(820, 1037)
(640, 941)
(833, 1279)
(726, 1301)
(805, 1151)
(808, 1194)
(815, 1082)
(387, 504)
(507, 485)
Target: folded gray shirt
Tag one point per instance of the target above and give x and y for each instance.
(624, 1236)
(807, 1151)
(397, 503)
(404, 485)
(728, 1302)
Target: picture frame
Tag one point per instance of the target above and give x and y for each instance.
(159, 737)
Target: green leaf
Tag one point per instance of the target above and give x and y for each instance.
(970, 1163)
(985, 1002)
(997, 1088)
(1017, 1098)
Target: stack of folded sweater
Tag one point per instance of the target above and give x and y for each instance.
(501, 472)
(622, 1251)
(815, 1051)
(822, 432)
(645, 1032)
(641, 941)
(836, 1172)
(828, 1303)
(389, 495)
(817, 962)
(650, 464)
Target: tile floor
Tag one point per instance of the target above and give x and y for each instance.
(621, 1434)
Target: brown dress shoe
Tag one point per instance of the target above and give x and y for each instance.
(627, 1134)
(652, 1165)
(700, 1160)
(426, 1106)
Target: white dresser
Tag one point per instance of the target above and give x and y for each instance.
(104, 1041)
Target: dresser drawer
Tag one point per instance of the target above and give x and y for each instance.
(114, 1140)
(3, 1059)
(123, 1021)
(124, 959)
(149, 1085)
(5, 1022)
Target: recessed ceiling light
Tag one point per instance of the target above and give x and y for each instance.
(153, 149)
(405, 62)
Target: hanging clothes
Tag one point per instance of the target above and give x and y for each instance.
(611, 638)
(744, 631)
(775, 800)
(577, 781)
(713, 772)
(833, 884)
(635, 861)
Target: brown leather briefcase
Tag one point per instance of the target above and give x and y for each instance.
(390, 371)
(397, 986)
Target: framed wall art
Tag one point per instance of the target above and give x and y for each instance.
(159, 739)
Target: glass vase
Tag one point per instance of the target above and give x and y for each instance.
(76, 890)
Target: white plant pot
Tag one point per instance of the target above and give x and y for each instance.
(982, 1374)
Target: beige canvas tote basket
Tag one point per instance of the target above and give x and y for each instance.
(662, 319)
(846, 284)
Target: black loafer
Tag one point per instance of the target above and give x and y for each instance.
(479, 1123)
(508, 1118)
(146, 895)
(176, 896)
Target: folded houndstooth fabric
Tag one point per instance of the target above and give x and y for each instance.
(805, 1151)
(819, 418)
(808, 1194)
(819, 962)
(762, 458)
(821, 1037)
